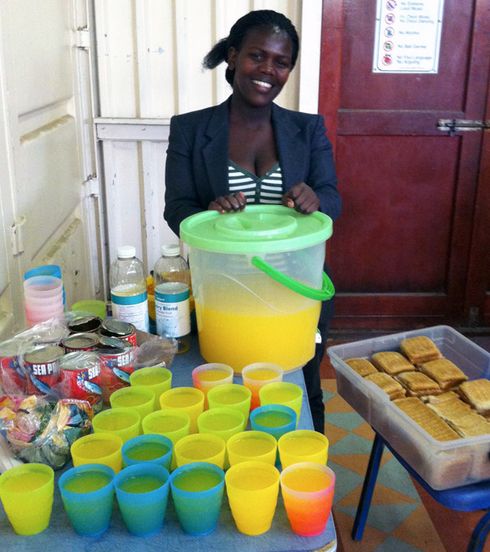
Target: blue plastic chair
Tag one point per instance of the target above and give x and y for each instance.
(469, 498)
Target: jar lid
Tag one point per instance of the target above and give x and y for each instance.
(126, 251)
(256, 229)
(171, 250)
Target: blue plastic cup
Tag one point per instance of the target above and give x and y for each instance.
(46, 270)
(197, 492)
(148, 448)
(142, 495)
(87, 493)
(275, 419)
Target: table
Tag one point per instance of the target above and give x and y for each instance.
(469, 498)
(226, 538)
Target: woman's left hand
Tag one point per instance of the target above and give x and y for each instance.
(302, 198)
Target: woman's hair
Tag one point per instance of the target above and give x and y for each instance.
(260, 18)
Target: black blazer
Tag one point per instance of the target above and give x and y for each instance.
(196, 169)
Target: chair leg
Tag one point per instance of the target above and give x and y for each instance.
(479, 535)
(368, 488)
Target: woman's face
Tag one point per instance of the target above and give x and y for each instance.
(262, 66)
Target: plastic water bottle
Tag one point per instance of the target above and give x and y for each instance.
(128, 289)
(172, 296)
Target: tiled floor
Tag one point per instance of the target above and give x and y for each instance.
(453, 528)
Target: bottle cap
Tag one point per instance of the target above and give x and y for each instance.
(126, 251)
(171, 250)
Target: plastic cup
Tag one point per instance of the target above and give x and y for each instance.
(87, 493)
(142, 495)
(224, 422)
(184, 399)
(197, 493)
(43, 270)
(257, 375)
(140, 398)
(27, 492)
(98, 448)
(252, 489)
(156, 378)
(251, 445)
(200, 447)
(307, 490)
(232, 395)
(282, 392)
(207, 376)
(90, 306)
(148, 448)
(170, 423)
(125, 422)
(43, 286)
(275, 419)
(303, 445)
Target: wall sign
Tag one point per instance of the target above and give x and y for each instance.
(407, 36)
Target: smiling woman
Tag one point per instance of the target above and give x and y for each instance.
(250, 150)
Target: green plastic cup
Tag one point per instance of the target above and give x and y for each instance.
(282, 392)
(140, 398)
(91, 306)
(125, 422)
(231, 395)
(156, 378)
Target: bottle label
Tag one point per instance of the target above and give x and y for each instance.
(172, 309)
(131, 308)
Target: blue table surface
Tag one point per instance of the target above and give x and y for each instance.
(280, 538)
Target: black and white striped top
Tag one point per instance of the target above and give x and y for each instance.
(266, 189)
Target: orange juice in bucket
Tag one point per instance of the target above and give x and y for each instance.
(258, 283)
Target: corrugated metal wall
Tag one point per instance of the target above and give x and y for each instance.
(149, 56)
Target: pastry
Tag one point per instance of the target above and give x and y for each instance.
(426, 418)
(443, 397)
(418, 384)
(388, 384)
(442, 370)
(362, 366)
(391, 362)
(419, 349)
(471, 425)
(452, 410)
(477, 393)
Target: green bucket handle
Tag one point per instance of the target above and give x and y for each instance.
(326, 292)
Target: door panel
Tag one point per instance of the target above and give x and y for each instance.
(400, 251)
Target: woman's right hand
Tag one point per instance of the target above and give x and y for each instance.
(229, 203)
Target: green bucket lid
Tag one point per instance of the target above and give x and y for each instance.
(256, 229)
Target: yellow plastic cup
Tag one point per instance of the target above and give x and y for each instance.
(185, 399)
(27, 493)
(140, 398)
(125, 422)
(252, 445)
(200, 447)
(282, 392)
(156, 378)
(252, 488)
(224, 422)
(258, 374)
(98, 448)
(303, 445)
(207, 376)
(232, 395)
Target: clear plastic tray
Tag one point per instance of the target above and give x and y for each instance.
(443, 464)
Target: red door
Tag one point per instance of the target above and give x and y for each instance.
(412, 246)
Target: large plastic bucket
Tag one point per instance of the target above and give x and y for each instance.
(258, 283)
